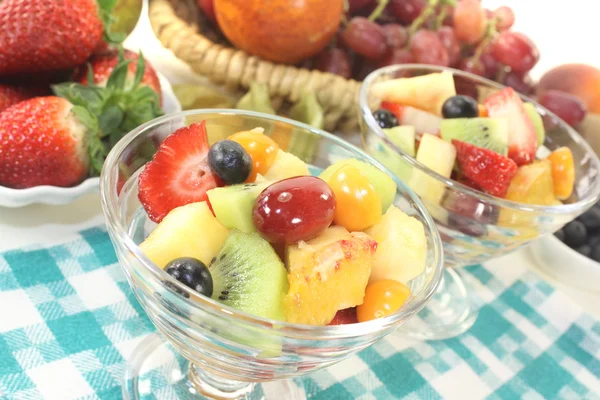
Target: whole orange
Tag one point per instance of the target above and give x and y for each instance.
(282, 31)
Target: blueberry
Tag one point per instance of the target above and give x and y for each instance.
(595, 254)
(585, 250)
(560, 235)
(460, 107)
(575, 234)
(230, 162)
(192, 273)
(385, 119)
(594, 241)
(591, 219)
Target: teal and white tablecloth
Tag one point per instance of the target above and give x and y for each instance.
(68, 323)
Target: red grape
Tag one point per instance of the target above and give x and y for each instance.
(294, 209)
(354, 5)
(469, 21)
(408, 10)
(334, 60)
(505, 16)
(489, 14)
(396, 35)
(490, 63)
(473, 66)
(449, 11)
(450, 42)
(363, 68)
(397, 56)
(568, 107)
(365, 38)
(427, 48)
(516, 51)
(522, 83)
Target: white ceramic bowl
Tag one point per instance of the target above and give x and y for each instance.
(58, 195)
(565, 264)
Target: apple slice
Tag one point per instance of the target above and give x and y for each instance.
(427, 92)
(422, 121)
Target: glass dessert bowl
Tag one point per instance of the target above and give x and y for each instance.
(215, 350)
(475, 225)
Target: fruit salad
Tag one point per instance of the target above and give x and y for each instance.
(493, 147)
(247, 224)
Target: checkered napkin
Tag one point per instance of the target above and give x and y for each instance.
(68, 324)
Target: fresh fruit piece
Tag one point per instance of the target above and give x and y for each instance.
(229, 161)
(473, 66)
(401, 247)
(187, 231)
(382, 298)
(358, 205)
(439, 156)
(365, 38)
(533, 184)
(178, 173)
(44, 141)
(408, 10)
(208, 9)
(279, 31)
(335, 61)
(489, 133)
(520, 81)
(460, 107)
(575, 234)
(294, 209)
(491, 171)
(516, 51)
(522, 138)
(422, 121)
(450, 42)
(403, 137)
(568, 107)
(327, 274)
(538, 123)
(385, 119)
(393, 57)
(102, 66)
(232, 205)
(262, 150)
(344, 317)
(481, 111)
(192, 273)
(396, 35)
(580, 80)
(42, 35)
(249, 276)
(383, 184)
(469, 21)
(563, 172)
(286, 165)
(11, 95)
(505, 17)
(427, 48)
(427, 92)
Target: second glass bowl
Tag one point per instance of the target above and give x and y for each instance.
(476, 227)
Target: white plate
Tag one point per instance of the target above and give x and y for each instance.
(58, 195)
(565, 264)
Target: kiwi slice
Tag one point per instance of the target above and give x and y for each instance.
(489, 133)
(404, 137)
(233, 205)
(537, 121)
(249, 276)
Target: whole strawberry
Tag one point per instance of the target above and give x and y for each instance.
(48, 35)
(43, 141)
(102, 66)
(11, 95)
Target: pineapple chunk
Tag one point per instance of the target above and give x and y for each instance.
(286, 165)
(187, 231)
(533, 184)
(401, 247)
(427, 92)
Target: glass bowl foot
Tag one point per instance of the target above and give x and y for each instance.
(156, 370)
(449, 313)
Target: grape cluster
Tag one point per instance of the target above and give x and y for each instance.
(450, 33)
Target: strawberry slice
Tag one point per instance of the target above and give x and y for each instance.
(345, 317)
(522, 140)
(423, 121)
(178, 174)
(491, 171)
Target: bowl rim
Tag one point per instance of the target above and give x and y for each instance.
(111, 210)
(366, 115)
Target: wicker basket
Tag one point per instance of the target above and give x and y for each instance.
(180, 27)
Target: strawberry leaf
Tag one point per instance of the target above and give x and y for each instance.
(106, 8)
(118, 76)
(89, 97)
(97, 151)
(111, 119)
(140, 69)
